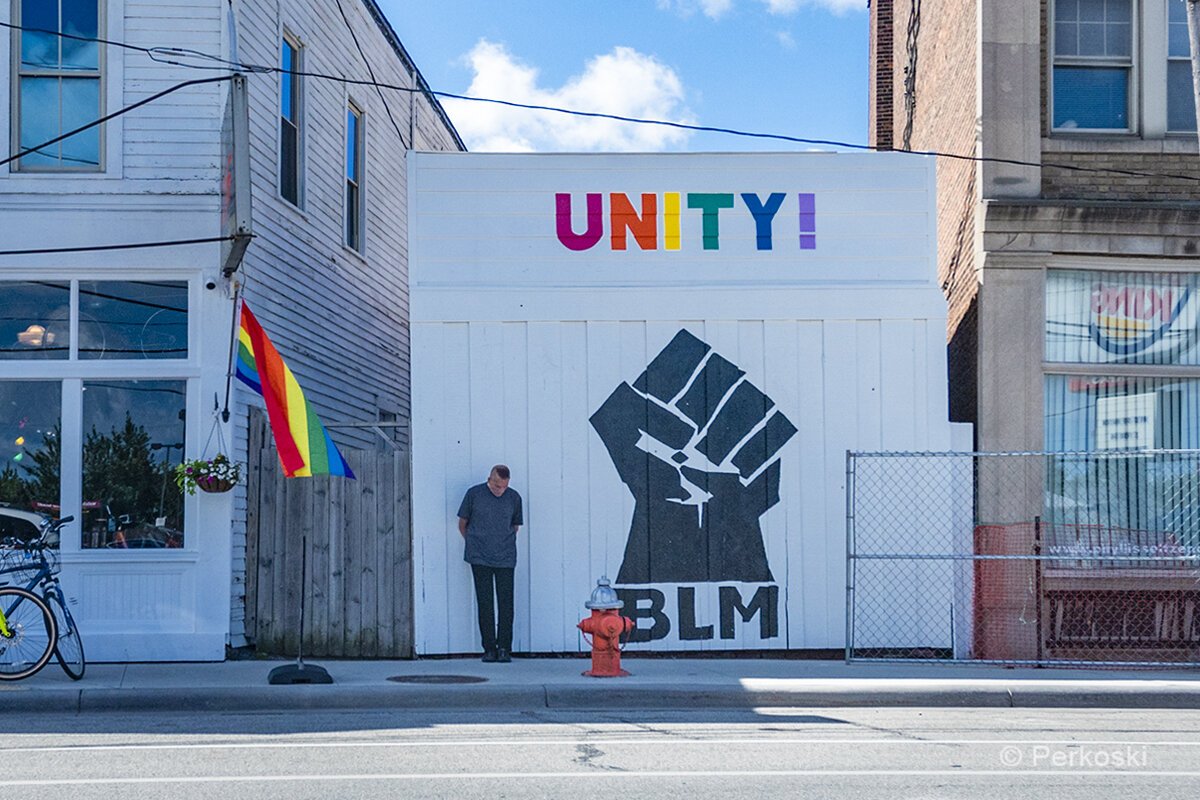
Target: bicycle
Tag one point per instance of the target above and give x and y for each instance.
(64, 640)
(27, 633)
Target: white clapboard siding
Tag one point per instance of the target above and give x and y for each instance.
(338, 317)
(517, 341)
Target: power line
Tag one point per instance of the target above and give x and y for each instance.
(371, 72)
(114, 115)
(264, 69)
(100, 247)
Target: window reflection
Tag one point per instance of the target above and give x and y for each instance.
(133, 438)
(30, 451)
(128, 319)
(35, 320)
(80, 18)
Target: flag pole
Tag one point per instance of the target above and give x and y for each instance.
(290, 674)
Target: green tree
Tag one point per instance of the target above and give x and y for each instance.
(12, 487)
(122, 471)
(45, 471)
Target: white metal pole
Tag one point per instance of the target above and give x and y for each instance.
(1193, 15)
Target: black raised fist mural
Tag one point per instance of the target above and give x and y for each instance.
(696, 444)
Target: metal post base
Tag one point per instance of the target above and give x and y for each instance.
(291, 674)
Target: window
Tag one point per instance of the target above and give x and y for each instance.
(354, 183)
(30, 445)
(100, 441)
(133, 438)
(1123, 374)
(36, 321)
(1129, 318)
(132, 319)
(1093, 64)
(1181, 103)
(290, 102)
(1121, 66)
(58, 85)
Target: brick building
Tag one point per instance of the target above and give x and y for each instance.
(1068, 255)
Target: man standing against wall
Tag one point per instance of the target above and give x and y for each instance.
(488, 519)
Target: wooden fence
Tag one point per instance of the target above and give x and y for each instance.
(359, 551)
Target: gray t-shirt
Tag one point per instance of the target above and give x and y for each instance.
(491, 522)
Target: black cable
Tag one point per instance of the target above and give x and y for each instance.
(261, 69)
(114, 115)
(371, 72)
(125, 45)
(95, 248)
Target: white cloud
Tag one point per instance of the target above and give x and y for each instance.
(836, 6)
(623, 82)
(786, 40)
(715, 9)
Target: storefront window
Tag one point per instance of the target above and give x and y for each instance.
(132, 319)
(30, 452)
(1112, 478)
(1097, 317)
(35, 321)
(1087, 413)
(133, 437)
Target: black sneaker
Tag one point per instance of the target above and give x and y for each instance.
(490, 656)
(503, 656)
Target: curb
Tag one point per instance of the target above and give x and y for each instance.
(601, 697)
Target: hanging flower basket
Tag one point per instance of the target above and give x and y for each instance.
(211, 475)
(214, 485)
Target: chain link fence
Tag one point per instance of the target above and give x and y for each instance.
(1024, 558)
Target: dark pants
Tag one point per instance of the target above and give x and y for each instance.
(496, 633)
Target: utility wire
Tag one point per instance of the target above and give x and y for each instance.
(264, 69)
(114, 115)
(100, 247)
(371, 72)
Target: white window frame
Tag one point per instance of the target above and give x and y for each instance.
(18, 72)
(286, 36)
(359, 224)
(74, 372)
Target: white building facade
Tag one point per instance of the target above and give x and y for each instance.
(673, 354)
(111, 360)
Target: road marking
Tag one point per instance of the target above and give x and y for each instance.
(592, 775)
(669, 741)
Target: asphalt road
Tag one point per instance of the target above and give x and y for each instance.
(855, 753)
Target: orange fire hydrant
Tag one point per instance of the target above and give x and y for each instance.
(606, 628)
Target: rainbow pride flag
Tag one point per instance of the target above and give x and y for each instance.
(305, 449)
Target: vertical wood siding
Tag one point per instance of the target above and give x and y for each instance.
(355, 537)
(522, 394)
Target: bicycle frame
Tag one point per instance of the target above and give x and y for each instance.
(43, 575)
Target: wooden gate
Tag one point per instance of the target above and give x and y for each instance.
(359, 551)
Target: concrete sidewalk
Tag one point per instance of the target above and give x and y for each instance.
(556, 683)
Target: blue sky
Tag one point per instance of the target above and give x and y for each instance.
(797, 67)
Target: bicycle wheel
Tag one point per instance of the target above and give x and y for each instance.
(31, 633)
(69, 647)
